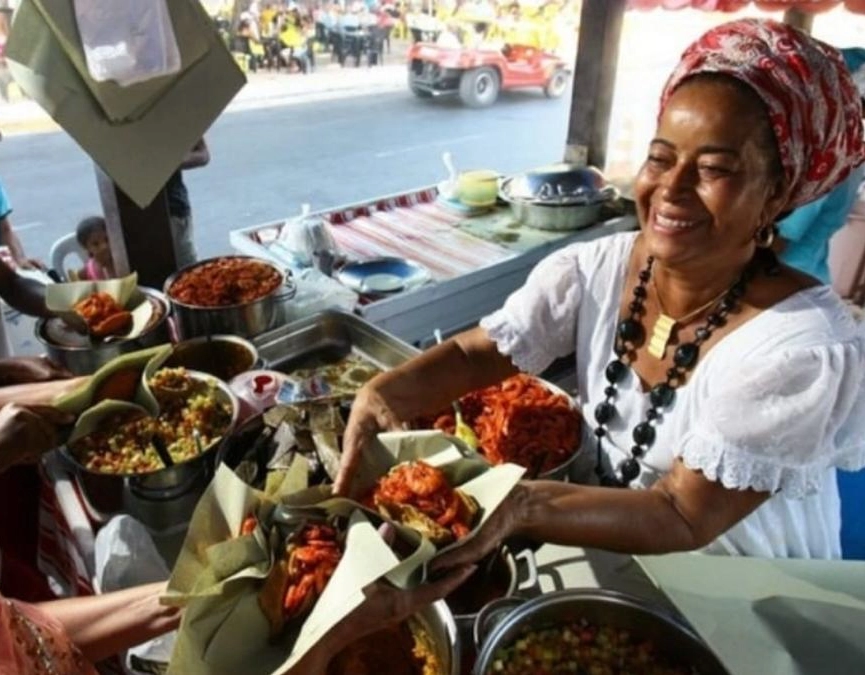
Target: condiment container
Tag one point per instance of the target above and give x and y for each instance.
(257, 390)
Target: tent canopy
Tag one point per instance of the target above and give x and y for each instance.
(810, 6)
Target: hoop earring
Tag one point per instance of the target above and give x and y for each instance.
(765, 236)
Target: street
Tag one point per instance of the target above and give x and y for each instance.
(268, 160)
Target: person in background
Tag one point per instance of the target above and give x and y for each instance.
(804, 235)
(179, 209)
(293, 42)
(93, 238)
(247, 42)
(268, 14)
(9, 238)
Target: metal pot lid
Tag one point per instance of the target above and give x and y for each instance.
(557, 184)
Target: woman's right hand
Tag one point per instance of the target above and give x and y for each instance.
(370, 414)
(423, 385)
(26, 432)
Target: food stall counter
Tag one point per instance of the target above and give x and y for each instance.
(475, 258)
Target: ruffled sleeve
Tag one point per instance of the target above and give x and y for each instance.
(775, 424)
(537, 323)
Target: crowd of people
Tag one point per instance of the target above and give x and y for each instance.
(287, 35)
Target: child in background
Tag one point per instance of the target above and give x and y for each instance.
(92, 236)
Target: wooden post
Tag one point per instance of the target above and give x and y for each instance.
(594, 80)
(140, 239)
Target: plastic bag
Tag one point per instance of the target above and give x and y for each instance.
(127, 41)
(126, 556)
(317, 292)
(310, 242)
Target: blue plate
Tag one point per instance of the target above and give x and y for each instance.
(382, 276)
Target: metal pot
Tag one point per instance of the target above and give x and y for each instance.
(507, 566)
(501, 622)
(87, 358)
(223, 356)
(559, 197)
(439, 622)
(556, 217)
(160, 499)
(246, 319)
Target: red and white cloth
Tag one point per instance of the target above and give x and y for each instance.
(812, 100)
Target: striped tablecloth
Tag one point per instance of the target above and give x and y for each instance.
(417, 227)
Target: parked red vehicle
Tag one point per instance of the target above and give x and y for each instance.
(478, 75)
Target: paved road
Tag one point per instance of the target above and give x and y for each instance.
(268, 161)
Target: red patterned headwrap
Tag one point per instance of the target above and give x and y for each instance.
(812, 101)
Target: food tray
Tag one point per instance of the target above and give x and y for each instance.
(327, 337)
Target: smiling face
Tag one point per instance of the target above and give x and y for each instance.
(711, 177)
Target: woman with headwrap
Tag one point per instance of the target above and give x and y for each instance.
(726, 387)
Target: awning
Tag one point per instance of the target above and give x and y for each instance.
(810, 6)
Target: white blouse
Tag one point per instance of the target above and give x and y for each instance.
(776, 405)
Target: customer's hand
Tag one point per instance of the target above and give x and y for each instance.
(24, 369)
(26, 432)
(370, 414)
(30, 264)
(384, 606)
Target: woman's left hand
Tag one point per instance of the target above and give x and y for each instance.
(501, 524)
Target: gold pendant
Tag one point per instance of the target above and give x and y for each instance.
(661, 336)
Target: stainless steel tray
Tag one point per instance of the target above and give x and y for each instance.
(327, 337)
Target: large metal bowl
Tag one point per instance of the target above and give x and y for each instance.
(561, 471)
(559, 197)
(503, 622)
(86, 357)
(247, 319)
(160, 499)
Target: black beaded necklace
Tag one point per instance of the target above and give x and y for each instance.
(630, 335)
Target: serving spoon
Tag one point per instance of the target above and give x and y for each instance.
(162, 450)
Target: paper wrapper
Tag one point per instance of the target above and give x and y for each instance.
(218, 575)
(159, 122)
(85, 397)
(61, 299)
(463, 468)
(91, 419)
